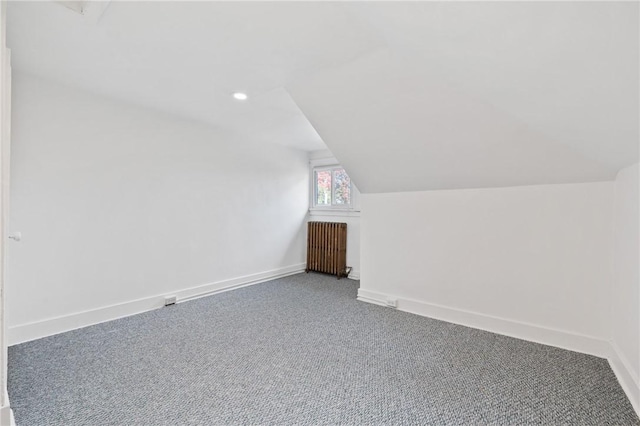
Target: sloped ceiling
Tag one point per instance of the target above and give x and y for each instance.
(407, 95)
(187, 58)
(468, 95)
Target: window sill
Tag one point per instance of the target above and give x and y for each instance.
(334, 212)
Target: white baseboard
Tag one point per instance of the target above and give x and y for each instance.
(520, 330)
(231, 284)
(6, 416)
(372, 297)
(354, 274)
(626, 376)
(6, 413)
(35, 330)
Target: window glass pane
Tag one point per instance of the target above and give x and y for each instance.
(342, 189)
(323, 188)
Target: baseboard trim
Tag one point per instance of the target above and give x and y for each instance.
(6, 413)
(354, 275)
(36, 330)
(371, 297)
(626, 376)
(234, 283)
(6, 416)
(520, 330)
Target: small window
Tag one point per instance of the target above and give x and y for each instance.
(332, 187)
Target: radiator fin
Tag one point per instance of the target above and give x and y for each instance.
(327, 248)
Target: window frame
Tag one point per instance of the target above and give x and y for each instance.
(313, 202)
(341, 210)
(333, 205)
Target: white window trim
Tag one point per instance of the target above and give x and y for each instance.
(333, 206)
(352, 209)
(334, 212)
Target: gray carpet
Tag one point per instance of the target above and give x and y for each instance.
(301, 350)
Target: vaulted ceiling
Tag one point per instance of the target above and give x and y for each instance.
(188, 58)
(408, 96)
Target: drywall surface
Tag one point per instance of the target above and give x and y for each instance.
(455, 101)
(626, 284)
(116, 203)
(533, 255)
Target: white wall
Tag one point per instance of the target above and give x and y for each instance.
(625, 306)
(532, 261)
(119, 204)
(351, 216)
(6, 415)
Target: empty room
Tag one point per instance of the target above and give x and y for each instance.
(319, 213)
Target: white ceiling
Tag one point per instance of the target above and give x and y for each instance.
(407, 95)
(483, 95)
(188, 57)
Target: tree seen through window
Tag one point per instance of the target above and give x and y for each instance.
(332, 187)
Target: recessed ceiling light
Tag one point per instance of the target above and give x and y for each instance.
(240, 96)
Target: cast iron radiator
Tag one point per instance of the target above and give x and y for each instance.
(327, 248)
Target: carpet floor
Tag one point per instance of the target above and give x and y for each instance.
(301, 350)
